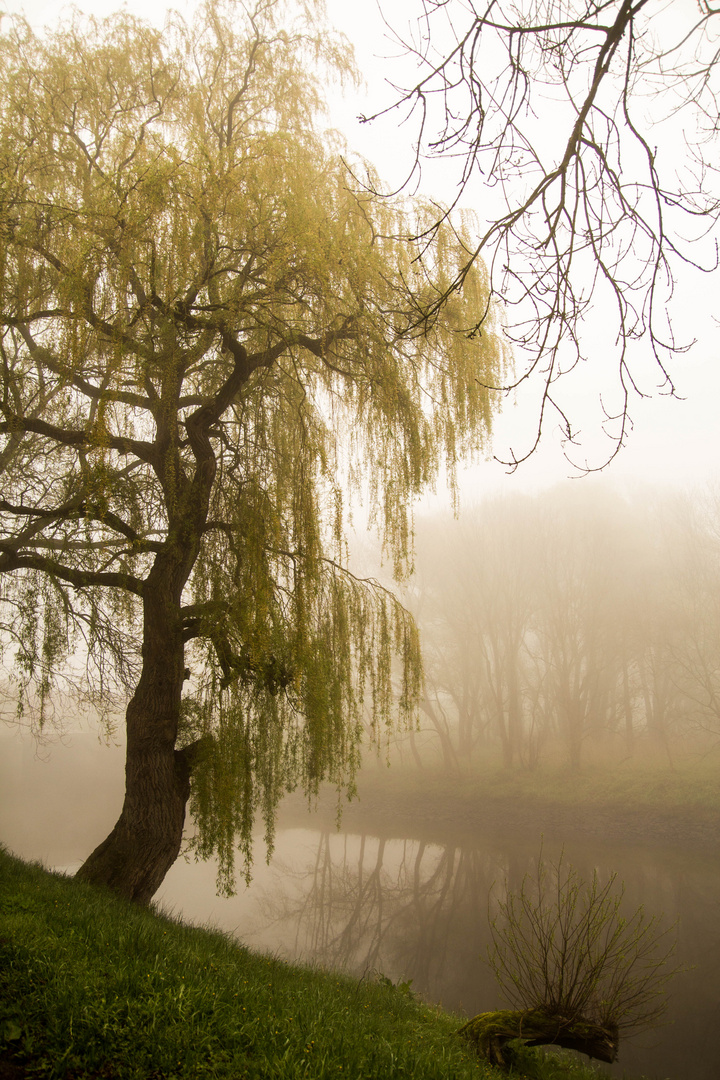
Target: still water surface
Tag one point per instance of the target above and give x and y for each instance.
(411, 909)
(419, 910)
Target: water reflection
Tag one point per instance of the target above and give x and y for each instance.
(362, 903)
(417, 910)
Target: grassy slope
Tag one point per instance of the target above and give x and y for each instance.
(93, 987)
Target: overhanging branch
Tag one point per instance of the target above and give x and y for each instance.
(145, 451)
(11, 560)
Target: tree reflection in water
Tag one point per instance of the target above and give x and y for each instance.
(407, 908)
(418, 910)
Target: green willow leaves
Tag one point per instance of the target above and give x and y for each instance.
(208, 330)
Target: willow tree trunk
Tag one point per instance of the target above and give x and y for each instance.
(145, 842)
(146, 839)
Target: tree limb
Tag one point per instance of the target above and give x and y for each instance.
(81, 579)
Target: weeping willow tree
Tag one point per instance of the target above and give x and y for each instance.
(209, 330)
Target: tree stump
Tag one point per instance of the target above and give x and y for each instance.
(492, 1031)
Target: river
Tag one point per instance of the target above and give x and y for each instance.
(415, 909)
(406, 893)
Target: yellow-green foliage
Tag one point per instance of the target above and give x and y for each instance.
(170, 218)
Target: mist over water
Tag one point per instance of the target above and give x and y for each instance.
(409, 907)
(418, 910)
(583, 631)
(58, 798)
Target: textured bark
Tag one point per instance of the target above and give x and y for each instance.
(134, 859)
(145, 842)
(492, 1031)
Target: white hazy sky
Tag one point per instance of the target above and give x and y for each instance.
(674, 441)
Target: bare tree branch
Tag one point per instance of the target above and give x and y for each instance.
(550, 109)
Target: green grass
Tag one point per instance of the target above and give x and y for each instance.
(91, 986)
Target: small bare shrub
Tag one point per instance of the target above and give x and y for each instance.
(563, 945)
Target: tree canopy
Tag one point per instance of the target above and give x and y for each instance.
(209, 333)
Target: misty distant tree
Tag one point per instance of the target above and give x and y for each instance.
(205, 327)
(670, 620)
(450, 699)
(476, 620)
(541, 621)
(689, 634)
(587, 131)
(575, 620)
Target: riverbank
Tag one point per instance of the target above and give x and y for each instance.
(650, 805)
(92, 988)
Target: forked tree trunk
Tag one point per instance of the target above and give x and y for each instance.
(145, 842)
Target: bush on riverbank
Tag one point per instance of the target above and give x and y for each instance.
(92, 987)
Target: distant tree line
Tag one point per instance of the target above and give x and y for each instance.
(556, 622)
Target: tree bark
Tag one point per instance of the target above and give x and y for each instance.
(145, 842)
